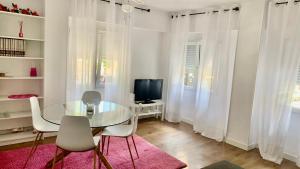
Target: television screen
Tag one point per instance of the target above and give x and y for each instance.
(141, 89)
(155, 90)
(146, 90)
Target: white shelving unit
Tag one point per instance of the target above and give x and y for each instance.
(21, 15)
(17, 137)
(152, 109)
(6, 99)
(21, 78)
(18, 38)
(15, 114)
(21, 58)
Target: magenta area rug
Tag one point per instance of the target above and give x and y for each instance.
(151, 157)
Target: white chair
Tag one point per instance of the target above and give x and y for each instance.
(124, 131)
(40, 125)
(91, 97)
(75, 135)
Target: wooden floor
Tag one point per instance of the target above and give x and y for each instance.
(193, 149)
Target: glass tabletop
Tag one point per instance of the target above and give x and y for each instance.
(102, 115)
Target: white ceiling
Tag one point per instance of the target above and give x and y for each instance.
(176, 5)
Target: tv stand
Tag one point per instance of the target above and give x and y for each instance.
(145, 102)
(149, 108)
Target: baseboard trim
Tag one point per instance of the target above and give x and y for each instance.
(290, 157)
(240, 145)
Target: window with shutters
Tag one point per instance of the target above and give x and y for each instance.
(192, 57)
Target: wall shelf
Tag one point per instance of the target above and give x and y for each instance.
(21, 58)
(21, 78)
(21, 15)
(5, 98)
(16, 115)
(18, 38)
(14, 138)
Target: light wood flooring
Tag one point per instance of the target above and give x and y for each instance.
(180, 141)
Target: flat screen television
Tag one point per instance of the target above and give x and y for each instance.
(146, 90)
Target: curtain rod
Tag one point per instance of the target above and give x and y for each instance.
(282, 3)
(117, 3)
(215, 11)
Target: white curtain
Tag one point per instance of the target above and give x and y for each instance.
(82, 47)
(215, 72)
(276, 78)
(178, 38)
(117, 54)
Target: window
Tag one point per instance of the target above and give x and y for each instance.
(101, 63)
(192, 57)
(297, 89)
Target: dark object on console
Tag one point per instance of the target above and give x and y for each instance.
(155, 89)
(223, 165)
(146, 90)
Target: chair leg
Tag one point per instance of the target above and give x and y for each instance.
(53, 164)
(108, 140)
(62, 160)
(95, 154)
(98, 149)
(33, 148)
(103, 143)
(135, 147)
(130, 153)
(38, 142)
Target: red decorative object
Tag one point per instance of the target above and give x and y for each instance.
(25, 11)
(33, 72)
(4, 8)
(22, 96)
(15, 9)
(35, 13)
(21, 30)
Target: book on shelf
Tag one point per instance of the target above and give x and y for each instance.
(12, 47)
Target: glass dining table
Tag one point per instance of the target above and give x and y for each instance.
(100, 116)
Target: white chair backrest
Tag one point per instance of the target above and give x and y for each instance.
(74, 133)
(36, 113)
(91, 97)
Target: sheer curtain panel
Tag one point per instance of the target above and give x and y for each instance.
(117, 55)
(215, 72)
(177, 40)
(82, 48)
(276, 79)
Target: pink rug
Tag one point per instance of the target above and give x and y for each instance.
(151, 157)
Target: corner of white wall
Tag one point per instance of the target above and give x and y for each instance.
(251, 21)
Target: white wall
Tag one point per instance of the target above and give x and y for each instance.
(251, 21)
(56, 32)
(154, 20)
(148, 59)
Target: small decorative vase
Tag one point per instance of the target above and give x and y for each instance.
(90, 109)
(21, 30)
(33, 72)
